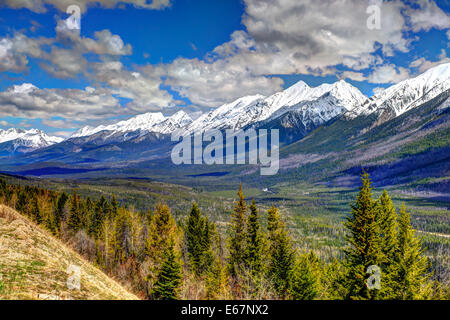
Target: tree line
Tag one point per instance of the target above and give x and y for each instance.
(159, 258)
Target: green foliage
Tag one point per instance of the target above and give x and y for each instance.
(169, 278)
(35, 211)
(364, 242)
(198, 241)
(236, 240)
(253, 258)
(304, 280)
(281, 253)
(74, 220)
(411, 276)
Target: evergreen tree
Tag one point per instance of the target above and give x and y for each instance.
(236, 240)
(254, 242)
(95, 225)
(198, 241)
(74, 219)
(59, 209)
(387, 222)
(114, 206)
(388, 226)
(169, 277)
(21, 204)
(282, 254)
(161, 235)
(35, 211)
(364, 243)
(411, 279)
(304, 281)
(217, 281)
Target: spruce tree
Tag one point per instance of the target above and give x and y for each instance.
(198, 241)
(97, 217)
(21, 203)
(388, 226)
(161, 234)
(411, 279)
(114, 206)
(254, 242)
(74, 219)
(387, 223)
(216, 281)
(236, 240)
(35, 211)
(304, 284)
(169, 277)
(364, 248)
(282, 254)
(59, 209)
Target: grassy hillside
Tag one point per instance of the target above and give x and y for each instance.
(34, 265)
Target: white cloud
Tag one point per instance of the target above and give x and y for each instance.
(14, 51)
(388, 73)
(357, 76)
(428, 15)
(210, 84)
(29, 101)
(4, 123)
(316, 35)
(423, 64)
(377, 90)
(39, 5)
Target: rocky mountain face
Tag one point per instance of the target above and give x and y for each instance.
(21, 141)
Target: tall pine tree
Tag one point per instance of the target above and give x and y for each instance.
(236, 240)
(282, 254)
(169, 277)
(364, 243)
(198, 241)
(74, 220)
(254, 242)
(411, 279)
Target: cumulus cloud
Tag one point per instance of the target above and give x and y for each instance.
(15, 50)
(357, 76)
(142, 86)
(29, 101)
(313, 35)
(39, 5)
(210, 84)
(388, 73)
(427, 15)
(423, 64)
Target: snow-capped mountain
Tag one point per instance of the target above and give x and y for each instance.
(20, 140)
(147, 122)
(324, 103)
(319, 104)
(405, 95)
(230, 115)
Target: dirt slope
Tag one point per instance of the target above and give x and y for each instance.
(35, 265)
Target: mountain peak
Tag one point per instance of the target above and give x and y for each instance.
(27, 140)
(407, 94)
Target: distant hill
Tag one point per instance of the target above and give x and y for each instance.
(34, 265)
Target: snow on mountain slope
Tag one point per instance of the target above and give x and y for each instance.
(176, 121)
(407, 94)
(229, 115)
(147, 122)
(252, 109)
(28, 139)
(324, 103)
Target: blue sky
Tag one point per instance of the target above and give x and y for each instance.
(198, 54)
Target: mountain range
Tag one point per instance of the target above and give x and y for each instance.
(327, 123)
(13, 141)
